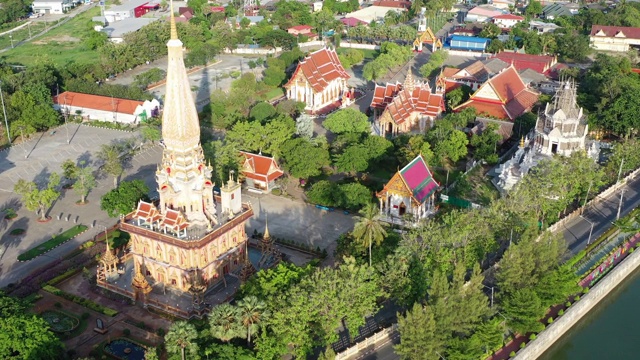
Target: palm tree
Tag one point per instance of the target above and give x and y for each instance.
(252, 312)
(180, 337)
(225, 322)
(368, 228)
(110, 155)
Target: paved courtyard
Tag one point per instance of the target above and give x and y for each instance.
(293, 220)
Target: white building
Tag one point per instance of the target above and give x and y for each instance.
(542, 27)
(105, 108)
(614, 38)
(502, 4)
(51, 6)
(483, 13)
(116, 31)
(562, 129)
(124, 11)
(507, 21)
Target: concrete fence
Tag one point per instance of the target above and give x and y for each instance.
(381, 336)
(311, 44)
(352, 45)
(561, 325)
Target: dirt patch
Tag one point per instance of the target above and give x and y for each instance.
(59, 39)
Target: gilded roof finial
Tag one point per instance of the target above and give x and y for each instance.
(266, 235)
(522, 142)
(174, 30)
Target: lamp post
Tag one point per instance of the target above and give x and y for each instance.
(590, 231)
(11, 39)
(490, 287)
(620, 204)
(4, 110)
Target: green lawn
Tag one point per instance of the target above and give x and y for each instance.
(60, 45)
(275, 93)
(368, 54)
(52, 243)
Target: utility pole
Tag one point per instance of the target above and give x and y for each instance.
(4, 110)
(64, 111)
(11, 39)
(620, 204)
(586, 198)
(620, 171)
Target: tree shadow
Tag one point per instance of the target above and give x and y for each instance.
(204, 90)
(14, 204)
(8, 240)
(84, 159)
(42, 178)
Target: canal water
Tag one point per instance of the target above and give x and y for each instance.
(610, 331)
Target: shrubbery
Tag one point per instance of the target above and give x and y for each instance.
(351, 196)
(80, 301)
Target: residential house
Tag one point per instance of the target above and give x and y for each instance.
(614, 38)
(129, 9)
(260, 172)
(507, 21)
(473, 75)
(318, 81)
(410, 192)
(352, 22)
(398, 4)
(184, 14)
(540, 63)
(304, 30)
(398, 109)
(117, 30)
(105, 108)
(373, 13)
(555, 10)
(542, 27)
(483, 13)
(253, 20)
(51, 6)
(503, 4)
(317, 6)
(504, 96)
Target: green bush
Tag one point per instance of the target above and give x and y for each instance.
(577, 298)
(550, 320)
(568, 303)
(52, 243)
(88, 244)
(512, 354)
(276, 192)
(64, 276)
(561, 312)
(80, 301)
(585, 290)
(160, 332)
(126, 332)
(532, 337)
(522, 345)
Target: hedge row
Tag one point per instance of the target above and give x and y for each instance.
(60, 278)
(52, 243)
(80, 301)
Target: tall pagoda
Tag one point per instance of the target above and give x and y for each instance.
(191, 236)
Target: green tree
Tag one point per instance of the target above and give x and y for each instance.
(39, 199)
(180, 339)
(85, 181)
(262, 111)
(524, 310)
(490, 30)
(150, 133)
(418, 334)
(435, 62)
(486, 144)
(453, 148)
(368, 228)
(225, 322)
(324, 193)
(347, 121)
(270, 283)
(124, 199)
(354, 195)
(304, 126)
(252, 313)
(534, 8)
(111, 156)
(354, 159)
(69, 169)
(303, 159)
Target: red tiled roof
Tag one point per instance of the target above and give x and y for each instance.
(351, 21)
(508, 17)
(419, 179)
(261, 166)
(147, 212)
(515, 97)
(300, 27)
(449, 71)
(393, 4)
(383, 95)
(217, 9)
(539, 63)
(184, 9)
(97, 102)
(320, 68)
(637, 71)
(611, 31)
(420, 100)
(174, 220)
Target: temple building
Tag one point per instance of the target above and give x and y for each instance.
(411, 191)
(425, 35)
(401, 108)
(260, 172)
(562, 128)
(504, 96)
(191, 241)
(473, 75)
(319, 80)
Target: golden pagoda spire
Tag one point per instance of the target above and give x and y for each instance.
(266, 235)
(108, 257)
(172, 21)
(139, 281)
(409, 83)
(522, 142)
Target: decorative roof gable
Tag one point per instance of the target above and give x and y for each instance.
(419, 179)
(320, 68)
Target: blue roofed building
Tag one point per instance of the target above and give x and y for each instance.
(469, 43)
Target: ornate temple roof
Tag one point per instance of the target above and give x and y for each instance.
(260, 167)
(320, 68)
(415, 180)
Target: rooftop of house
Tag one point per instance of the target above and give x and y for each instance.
(419, 179)
(470, 39)
(320, 68)
(96, 102)
(615, 31)
(119, 28)
(539, 63)
(129, 5)
(508, 17)
(486, 10)
(301, 27)
(351, 21)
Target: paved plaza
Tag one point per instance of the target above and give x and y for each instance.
(293, 220)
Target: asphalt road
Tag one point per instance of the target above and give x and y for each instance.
(601, 214)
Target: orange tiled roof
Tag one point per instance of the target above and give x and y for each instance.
(612, 31)
(97, 102)
(320, 68)
(420, 100)
(147, 212)
(263, 168)
(515, 97)
(383, 95)
(174, 220)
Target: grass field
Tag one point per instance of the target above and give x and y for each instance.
(60, 45)
(368, 54)
(51, 243)
(21, 34)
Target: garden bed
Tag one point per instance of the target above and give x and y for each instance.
(60, 322)
(52, 243)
